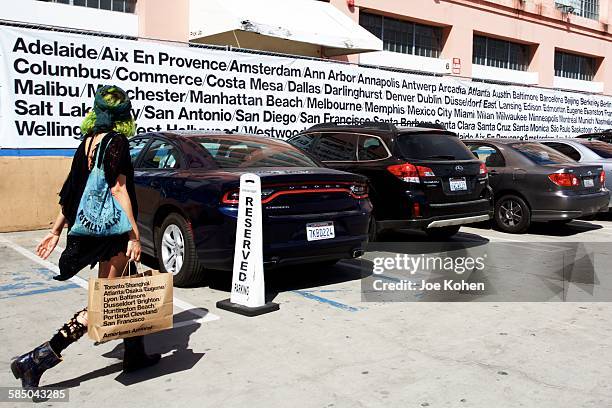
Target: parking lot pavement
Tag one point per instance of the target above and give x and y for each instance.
(325, 347)
(599, 230)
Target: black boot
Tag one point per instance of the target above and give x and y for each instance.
(31, 366)
(134, 355)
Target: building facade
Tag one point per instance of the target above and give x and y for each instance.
(565, 44)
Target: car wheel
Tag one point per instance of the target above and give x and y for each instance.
(176, 251)
(512, 214)
(442, 232)
(373, 233)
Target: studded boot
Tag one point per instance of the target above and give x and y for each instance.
(31, 366)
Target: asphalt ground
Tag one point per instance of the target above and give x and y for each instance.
(327, 347)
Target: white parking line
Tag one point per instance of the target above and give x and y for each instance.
(203, 316)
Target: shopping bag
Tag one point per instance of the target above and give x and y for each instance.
(99, 213)
(128, 306)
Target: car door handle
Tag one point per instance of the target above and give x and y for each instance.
(155, 183)
(493, 172)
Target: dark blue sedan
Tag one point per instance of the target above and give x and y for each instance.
(187, 189)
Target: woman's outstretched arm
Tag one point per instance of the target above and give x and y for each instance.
(119, 191)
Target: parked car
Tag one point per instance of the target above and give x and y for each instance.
(605, 136)
(587, 151)
(419, 178)
(534, 182)
(187, 185)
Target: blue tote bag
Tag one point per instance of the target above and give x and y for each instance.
(99, 214)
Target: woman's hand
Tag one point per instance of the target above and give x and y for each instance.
(133, 250)
(47, 245)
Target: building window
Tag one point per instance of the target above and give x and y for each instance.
(574, 66)
(500, 54)
(124, 6)
(583, 8)
(403, 36)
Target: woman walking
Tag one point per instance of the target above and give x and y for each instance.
(105, 146)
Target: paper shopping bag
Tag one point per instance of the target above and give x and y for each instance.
(129, 306)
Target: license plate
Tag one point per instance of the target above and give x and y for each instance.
(320, 230)
(458, 184)
(589, 182)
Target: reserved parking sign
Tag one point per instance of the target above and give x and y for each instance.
(248, 287)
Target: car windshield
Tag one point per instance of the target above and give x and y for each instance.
(541, 154)
(433, 146)
(237, 153)
(603, 149)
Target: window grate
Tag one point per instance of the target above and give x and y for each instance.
(500, 54)
(404, 36)
(123, 6)
(583, 8)
(574, 66)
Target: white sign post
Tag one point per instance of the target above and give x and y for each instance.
(248, 296)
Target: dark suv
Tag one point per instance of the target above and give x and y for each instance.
(420, 178)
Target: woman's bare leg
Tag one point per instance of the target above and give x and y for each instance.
(113, 268)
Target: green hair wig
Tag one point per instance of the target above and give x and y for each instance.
(124, 127)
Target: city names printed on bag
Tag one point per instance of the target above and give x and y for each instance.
(50, 74)
(129, 302)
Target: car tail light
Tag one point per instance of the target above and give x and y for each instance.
(359, 191)
(356, 190)
(425, 171)
(231, 197)
(602, 178)
(267, 192)
(410, 173)
(416, 210)
(483, 169)
(564, 179)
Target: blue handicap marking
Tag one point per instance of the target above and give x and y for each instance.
(40, 282)
(308, 294)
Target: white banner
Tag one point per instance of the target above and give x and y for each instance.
(49, 79)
